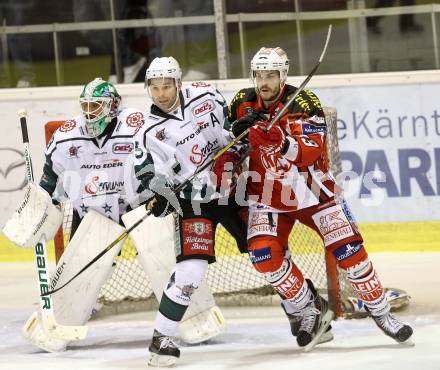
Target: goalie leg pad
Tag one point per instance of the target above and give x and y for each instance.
(154, 241)
(73, 304)
(34, 332)
(35, 218)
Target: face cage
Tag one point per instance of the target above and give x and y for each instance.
(176, 84)
(102, 112)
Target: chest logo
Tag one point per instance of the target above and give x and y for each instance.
(123, 148)
(203, 108)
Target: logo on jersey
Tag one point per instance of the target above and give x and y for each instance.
(203, 108)
(200, 84)
(73, 151)
(123, 148)
(200, 153)
(275, 164)
(68, 125)
(333, 225)
(135, 119)
(202, 125)
(96, 187)
(161, 135)
(110, 164)
(198, 228)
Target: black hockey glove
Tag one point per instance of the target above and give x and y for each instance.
(160, 206)
(241, 125)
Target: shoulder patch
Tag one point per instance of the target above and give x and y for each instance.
(68, 125)
(201, 84)
(135, 119)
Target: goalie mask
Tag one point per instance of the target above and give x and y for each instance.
(99, 102)
(270, 59)
(161, 73)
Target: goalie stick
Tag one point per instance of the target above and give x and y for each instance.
(202, 168)
(64, 332)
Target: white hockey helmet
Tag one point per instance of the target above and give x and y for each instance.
(270, 59)
(165, 67)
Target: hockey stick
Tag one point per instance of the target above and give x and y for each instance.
(304, 83)
(200, 169)
(64, 332)
(126, 232)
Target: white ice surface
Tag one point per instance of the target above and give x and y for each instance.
(257, 338)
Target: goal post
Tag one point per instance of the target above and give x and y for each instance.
(232, 279)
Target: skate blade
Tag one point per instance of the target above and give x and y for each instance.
(161, 360)
(408, 343)
(326, 337)
(325, 322)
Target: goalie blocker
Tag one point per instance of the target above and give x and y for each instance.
(36, 218)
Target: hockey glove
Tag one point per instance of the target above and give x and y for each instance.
(271, 142)
(238, 127)
(224, 167)
(160, 206)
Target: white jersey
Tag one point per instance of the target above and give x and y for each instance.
(178, 143)
(95, 173)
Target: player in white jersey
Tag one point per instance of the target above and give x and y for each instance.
(183, 130)
(90, 158)
(88, 161)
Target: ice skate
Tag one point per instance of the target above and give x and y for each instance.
(315, 321)
(394, 328)
(295, 323)
(163, 351)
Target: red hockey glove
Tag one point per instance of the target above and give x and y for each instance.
(271, 142)
(223, 167)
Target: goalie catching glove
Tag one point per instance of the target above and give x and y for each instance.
(35, 218)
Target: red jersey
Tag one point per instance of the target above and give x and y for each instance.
(299, 176)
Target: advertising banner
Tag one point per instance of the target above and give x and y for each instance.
(389, 136)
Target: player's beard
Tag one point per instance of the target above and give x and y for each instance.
(269, 94)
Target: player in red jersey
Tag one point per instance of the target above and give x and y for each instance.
(290, 180)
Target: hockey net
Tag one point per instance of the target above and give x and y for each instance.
(232, 278)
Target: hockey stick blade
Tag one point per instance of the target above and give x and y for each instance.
(64, 332)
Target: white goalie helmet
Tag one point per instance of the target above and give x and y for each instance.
(270, 59)
(165, 67)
